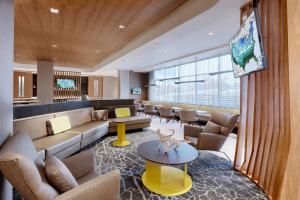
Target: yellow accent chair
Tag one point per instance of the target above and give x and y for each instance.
(122, 112)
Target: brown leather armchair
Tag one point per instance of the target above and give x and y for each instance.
(214, 134)
(25, 170)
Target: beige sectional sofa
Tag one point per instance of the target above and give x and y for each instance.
(83, 131)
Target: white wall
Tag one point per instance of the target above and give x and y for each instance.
(6, 81)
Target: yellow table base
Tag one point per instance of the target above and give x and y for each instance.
(165, 180)
(121, 141)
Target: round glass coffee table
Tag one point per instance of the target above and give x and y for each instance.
(160, 177)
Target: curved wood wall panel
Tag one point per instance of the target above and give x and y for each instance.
(264, 136)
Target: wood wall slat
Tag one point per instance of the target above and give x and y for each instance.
(264, 135)
(257, 125)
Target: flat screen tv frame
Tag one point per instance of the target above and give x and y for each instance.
(57, 85)
(134, 93)
(264, 60)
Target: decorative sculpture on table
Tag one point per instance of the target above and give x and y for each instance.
(167, 142)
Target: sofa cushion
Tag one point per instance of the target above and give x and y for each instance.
(99, 115)
(90, 128)
(77, 117)
(122, 112)
(132, 120)
(212, 128)
(35, 127)
(59, 175)
(58, 125)
(56, 143)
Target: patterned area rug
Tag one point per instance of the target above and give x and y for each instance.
(212, 175)
(213, 178)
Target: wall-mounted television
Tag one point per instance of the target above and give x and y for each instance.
(65, 83)
(136, 91)
(246, 47)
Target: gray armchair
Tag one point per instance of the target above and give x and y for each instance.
(214, 134)
(21, 165)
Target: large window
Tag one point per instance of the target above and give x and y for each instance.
(205, 82)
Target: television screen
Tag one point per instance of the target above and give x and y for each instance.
(136, 91)
(246, 47)
(65, 83)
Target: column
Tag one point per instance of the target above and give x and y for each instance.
(45, 81)
(124, 89)
(6, 81)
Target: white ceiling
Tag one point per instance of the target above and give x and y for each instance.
(186, 42)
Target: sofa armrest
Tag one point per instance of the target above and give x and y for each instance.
(105, 187)
(211, 141)
(80, 164)
(192, 131)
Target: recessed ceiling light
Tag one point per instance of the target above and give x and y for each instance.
(121, 26)
(210, 33)
(165, 51)
(54, 10)
(54, 45)
(97, 51)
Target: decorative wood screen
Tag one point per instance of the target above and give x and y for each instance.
(67, 93)
(264, 132)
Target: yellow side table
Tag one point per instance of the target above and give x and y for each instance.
(160, 176)
(121, 140)
(166, 180)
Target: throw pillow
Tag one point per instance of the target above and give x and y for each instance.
(212, 128)
(59, 175)
(58, 125)
(99, 115)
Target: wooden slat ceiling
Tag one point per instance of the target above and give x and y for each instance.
(85, 31)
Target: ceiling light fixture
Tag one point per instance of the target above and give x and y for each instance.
(54, 10)
(121, 26)
(54, 45)
(210, 33)
(165, 51)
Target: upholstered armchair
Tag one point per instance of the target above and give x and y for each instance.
(20, 164)
(150, 110)
(188, 116)
(167, 113)
(214, 134)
